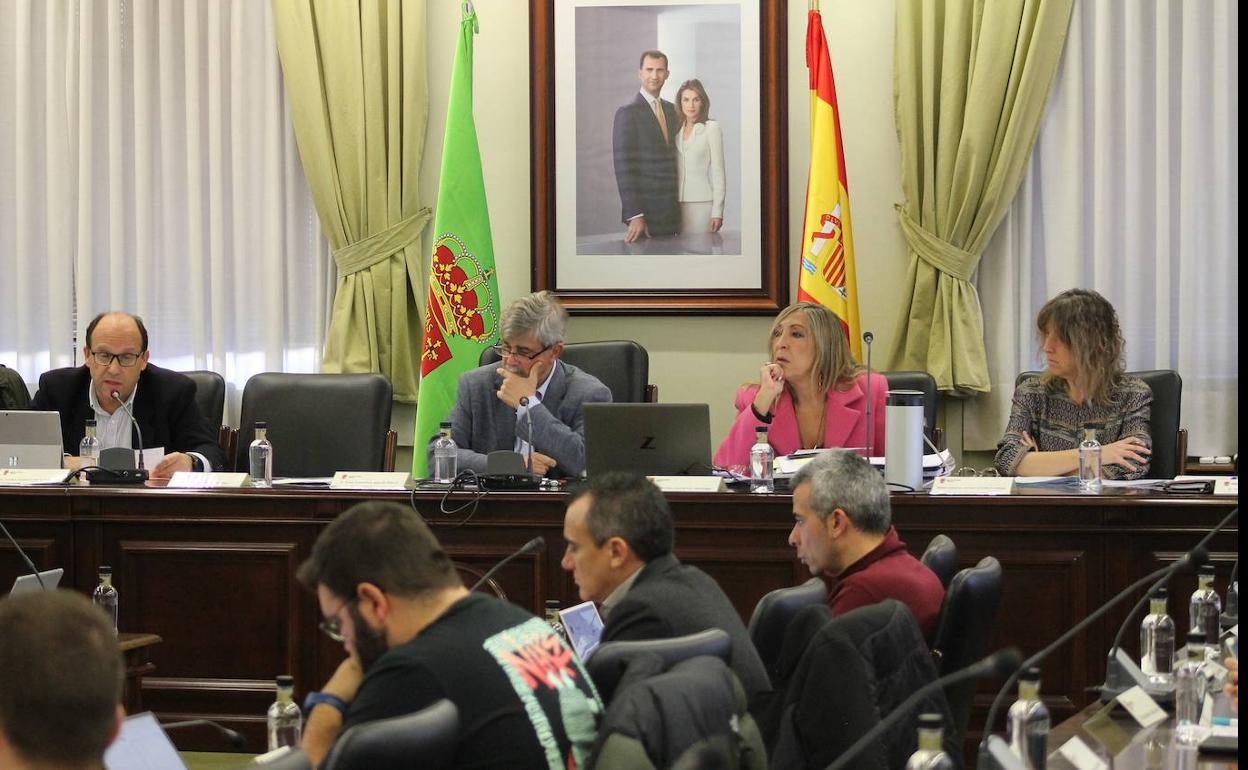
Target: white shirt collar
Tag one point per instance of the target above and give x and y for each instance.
(95, 402)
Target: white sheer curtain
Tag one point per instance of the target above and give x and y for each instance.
(1132, 191)
(147, 163)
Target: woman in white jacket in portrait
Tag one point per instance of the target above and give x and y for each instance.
(700, 162)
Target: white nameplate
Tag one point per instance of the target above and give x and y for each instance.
(689, 483)
(397, 480)
(1226, 485)
(1078, 754)
(192, 480)
(1142, 707)
(973, 485)
(16, 477)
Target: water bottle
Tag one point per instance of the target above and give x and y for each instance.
(261, 455)
(1157, 641)
(1090, 462)
(89, 447)
(445, 455)
(1189, 691)
(105, 596)
(762, 457)
(1205, 609)
(285, 721)
(931, 754)
(552, 617)
(1028, 723)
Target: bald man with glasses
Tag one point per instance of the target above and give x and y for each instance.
(493, 403)
(117, 372)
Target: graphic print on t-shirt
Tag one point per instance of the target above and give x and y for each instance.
(554, 688)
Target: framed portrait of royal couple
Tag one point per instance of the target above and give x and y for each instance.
(659, 156)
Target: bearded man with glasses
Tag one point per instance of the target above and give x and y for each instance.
(494, 403)
(117, 372)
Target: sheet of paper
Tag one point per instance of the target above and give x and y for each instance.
(142, 745)
(151, 457)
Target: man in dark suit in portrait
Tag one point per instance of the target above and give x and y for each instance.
(163, 401)
(618, 529)
(645, 155)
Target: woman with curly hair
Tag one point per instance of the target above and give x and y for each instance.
(1083, 386)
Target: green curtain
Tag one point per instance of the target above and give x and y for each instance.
(970, 81)
(356, 83)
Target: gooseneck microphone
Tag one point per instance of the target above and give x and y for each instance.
(536, 544)
(133, 422)
(868, 338)
(30, 564)
(233, 736)
(1002, 663)
(1119, 676)
(1192, 559)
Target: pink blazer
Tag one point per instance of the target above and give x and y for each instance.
(845, 422)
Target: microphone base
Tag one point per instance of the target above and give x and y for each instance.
(1121, 674)
(117, 476)
(510, 482)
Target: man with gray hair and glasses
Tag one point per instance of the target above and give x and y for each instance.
(494, 403)
(843, 531)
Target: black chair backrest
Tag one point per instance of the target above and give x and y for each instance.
(608, 661)
(1164, 418)
(621, 365)
(318, 423)
(918, 381)
(941, 557)
(209, 395)
(967, 618)
(427, 738)
(773, 613)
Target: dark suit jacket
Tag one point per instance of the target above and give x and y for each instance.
(481, 423)
(164, 408)
(645, 166)
(671, 599)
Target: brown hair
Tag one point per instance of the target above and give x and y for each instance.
(695, 85)
(381, 543)
(834, 365)
(61, 676)
(1086, 322)
(641, 63)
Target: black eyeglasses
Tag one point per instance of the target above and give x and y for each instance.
(504, 350)
(332, 627)
(107, 359)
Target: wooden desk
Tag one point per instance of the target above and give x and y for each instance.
(1153, 748)
(211, 571)
(135, 652)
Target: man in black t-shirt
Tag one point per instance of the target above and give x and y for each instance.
(415, 635)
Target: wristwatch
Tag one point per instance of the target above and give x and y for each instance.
(315, 698)
(197, 464)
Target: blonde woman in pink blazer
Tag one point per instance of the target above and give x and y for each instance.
(811, 394)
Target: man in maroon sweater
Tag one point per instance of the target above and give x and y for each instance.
(843, 531)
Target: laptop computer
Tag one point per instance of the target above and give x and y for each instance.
(25, 584)
(30, 439)
(651, 439)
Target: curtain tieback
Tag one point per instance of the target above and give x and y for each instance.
(938, 253)
(378, 247)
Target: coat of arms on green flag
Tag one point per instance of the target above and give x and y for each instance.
(461, 317)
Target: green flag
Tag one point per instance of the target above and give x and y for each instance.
(461, 314)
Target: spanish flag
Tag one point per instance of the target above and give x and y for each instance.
(827, 268)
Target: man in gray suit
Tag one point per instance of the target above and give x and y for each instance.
(489, 414)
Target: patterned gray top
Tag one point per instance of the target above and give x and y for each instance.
(1056, 423)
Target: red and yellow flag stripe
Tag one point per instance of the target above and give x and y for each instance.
(826, 272)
